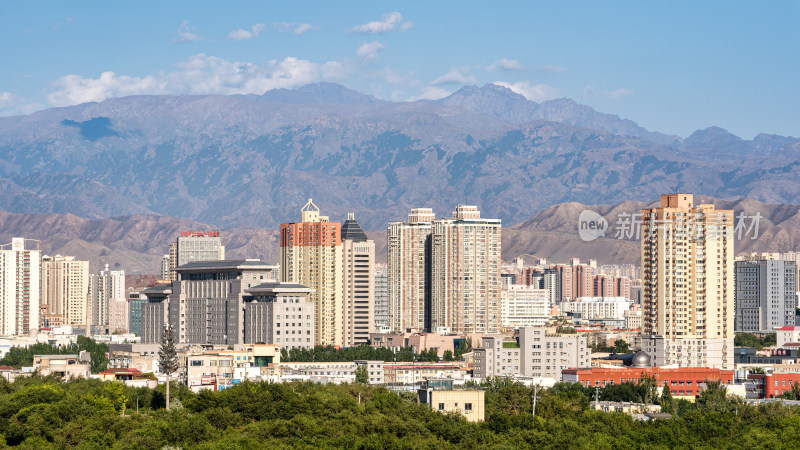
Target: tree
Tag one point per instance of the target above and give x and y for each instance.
(447, 356)
(621, 346)
(649, 389)
(666, 400)
(362, 375)
(168, 356)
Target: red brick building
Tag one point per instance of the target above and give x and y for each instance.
(681, 381)
(772, 385)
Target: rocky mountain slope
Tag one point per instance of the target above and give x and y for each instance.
(252, 161)
(136, 243)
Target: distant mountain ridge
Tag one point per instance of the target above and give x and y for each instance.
(252, 161)
(504, 104)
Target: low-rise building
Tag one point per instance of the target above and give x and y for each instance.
(279, 313)
(628, 408)
(65, 366)
(375, 370)
(406, 373)
(592, 308)
(633, 320)
(682, 381)
(119, 374)
(546, 355)
(789, 334)
(318, 372)
(496, 357)
(524, 306)
(772, 385)
(440, 396)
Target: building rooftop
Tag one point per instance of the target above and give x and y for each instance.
(276, 287)
(121, 371)
(227, 264)
(164, 288)
(352, 231)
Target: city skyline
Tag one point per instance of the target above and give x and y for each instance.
(703, 65)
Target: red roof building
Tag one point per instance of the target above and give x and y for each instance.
(681, 380)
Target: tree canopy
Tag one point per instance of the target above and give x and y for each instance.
(37, 412)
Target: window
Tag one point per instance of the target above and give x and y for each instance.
(197, 362)
(441, 406)
(468, 407)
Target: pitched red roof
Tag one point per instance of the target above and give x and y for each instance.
(6, 368)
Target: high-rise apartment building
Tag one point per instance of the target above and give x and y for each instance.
(765, 294)
(408, 270)
(465, 273)
(65, 289)
(358, 284)
(194, 246)
(136, 298)
(311, 255)
(20, 272)
(105, 287)
(687, 283)
(381, 297)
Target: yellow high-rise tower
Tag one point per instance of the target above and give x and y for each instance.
(687, 283)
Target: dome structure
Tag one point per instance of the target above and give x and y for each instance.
(640, 359)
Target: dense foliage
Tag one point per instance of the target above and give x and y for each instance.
(44, 413)
(364, 352)
(751, 340)
(620, 346)
(23, 356)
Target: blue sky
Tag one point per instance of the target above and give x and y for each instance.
(672, 67)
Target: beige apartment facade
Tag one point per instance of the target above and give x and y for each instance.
(20, 285)
(358, 284)
(688, 283)
(65, 289)
(465, 273)
(311, 255)
(408, 270)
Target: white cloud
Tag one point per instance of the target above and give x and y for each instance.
(615, 95)
(389, 22)
(13, 105)
(393, 78)
(536, 92)
(431, 93)
(551, 68)
(295, 27)
(186, 33)
(302, 28)
(369, 50)
(241, 34)
(200, 74)
(505, 64)
(74, 89)
(456, 75)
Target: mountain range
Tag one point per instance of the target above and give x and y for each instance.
(253, 161)
(136, 243)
